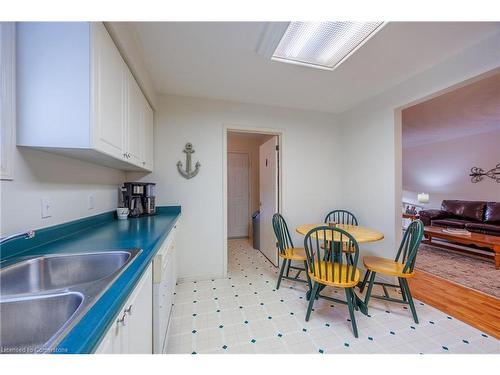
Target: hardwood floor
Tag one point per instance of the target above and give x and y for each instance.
(470, 306)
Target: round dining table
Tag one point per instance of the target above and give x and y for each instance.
(361, 235)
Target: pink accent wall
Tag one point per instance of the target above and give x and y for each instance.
(442, 169)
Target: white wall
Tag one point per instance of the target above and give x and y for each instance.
(442, 169)
(311, 178)
(66, 182)
(371, 141)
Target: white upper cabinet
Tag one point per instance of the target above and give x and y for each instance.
(109, 85)
(149, 136)
(77, 96)
(136, 128)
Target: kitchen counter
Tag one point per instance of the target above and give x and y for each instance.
(99, 233)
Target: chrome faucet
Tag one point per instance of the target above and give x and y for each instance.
(27, 235)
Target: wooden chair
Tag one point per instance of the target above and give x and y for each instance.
(341, 217)
(288, 252)
(401, 267)
(325, 266)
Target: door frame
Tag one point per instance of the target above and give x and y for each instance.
(249, 198)
(280, 133)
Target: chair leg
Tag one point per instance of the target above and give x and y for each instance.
(354, 301)
(288, 268)
(403, 294)
(410, 299)
(349, 293)
(307, 276)
(370, 287)
(311, 300)
(365, 279)
(283, 264)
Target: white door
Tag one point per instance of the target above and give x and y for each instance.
(237, 195)
(268, 187)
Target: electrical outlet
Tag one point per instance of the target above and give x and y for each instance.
(46, 208)
(90, 202)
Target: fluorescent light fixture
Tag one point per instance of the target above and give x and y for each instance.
(323, 45)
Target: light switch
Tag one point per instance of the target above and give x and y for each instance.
(90, 203)
(46, 208)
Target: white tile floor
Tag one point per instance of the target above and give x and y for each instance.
(246, 314)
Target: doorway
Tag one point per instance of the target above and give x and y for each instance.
(438, 165)
(252, 189)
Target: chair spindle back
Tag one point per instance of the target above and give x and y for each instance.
(284, 240)
(323, 246)
(407, 252)
(341, 217)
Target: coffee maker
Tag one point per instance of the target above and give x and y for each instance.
(139, 198)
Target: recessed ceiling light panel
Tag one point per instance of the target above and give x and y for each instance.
(323, 45)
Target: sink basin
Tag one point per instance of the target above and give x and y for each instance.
(59, 271)
(42, 298)
(30, 323)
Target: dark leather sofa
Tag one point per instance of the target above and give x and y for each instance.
(475, 216)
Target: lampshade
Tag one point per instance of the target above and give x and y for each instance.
(423, 197)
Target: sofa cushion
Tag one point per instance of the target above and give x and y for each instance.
(492, 213)
(453, 223)
(491, 229)
(428, 215)
(472, 210)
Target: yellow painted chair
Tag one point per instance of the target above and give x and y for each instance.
(287, 252)
(401, 268)
(341, 217)
(327, 268)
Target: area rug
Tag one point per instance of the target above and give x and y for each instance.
(468, 270)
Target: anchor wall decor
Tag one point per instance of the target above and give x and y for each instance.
(188, 173)
(477, 174)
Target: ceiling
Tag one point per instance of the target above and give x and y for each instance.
(251, 137)
(219, 60)
(468, 110)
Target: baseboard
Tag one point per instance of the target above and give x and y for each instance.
(205, 277)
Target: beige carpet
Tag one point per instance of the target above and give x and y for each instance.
(470, 271)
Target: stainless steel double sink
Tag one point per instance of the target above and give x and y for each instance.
(42, 298)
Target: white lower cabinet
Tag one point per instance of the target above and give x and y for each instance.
(132, 329)
(164, 280)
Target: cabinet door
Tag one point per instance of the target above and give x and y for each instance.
(115, 340)
(109, 94)
(149, 136)
(139, 308)
(135, 133)
(132, 329)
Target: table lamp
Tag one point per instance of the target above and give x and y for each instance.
(423, 197)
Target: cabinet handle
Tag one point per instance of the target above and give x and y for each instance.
(128, 310)
(121, 320)
(143, 163)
